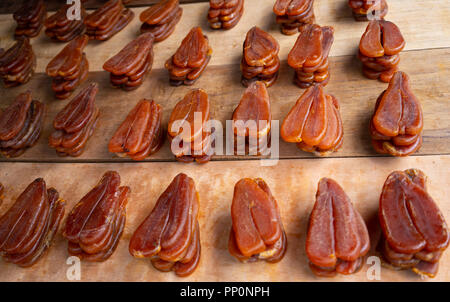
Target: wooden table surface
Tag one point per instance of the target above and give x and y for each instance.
(361, 172)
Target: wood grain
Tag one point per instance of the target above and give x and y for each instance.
(433, 31)
(293, 183)
(357, 96)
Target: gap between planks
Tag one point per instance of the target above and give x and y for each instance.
(10, 6)
(234, 159)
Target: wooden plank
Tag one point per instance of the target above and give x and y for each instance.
(10, 6)
(293, 183)
(433, 31)
(357, 95)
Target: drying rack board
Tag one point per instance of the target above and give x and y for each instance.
(293, 179)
